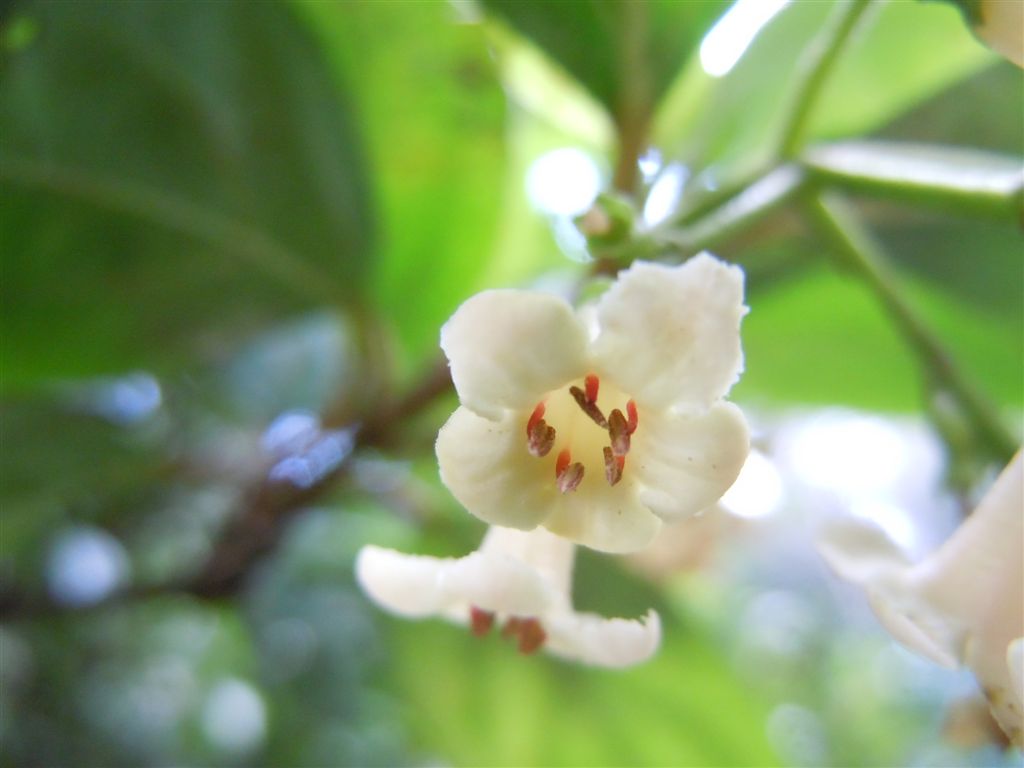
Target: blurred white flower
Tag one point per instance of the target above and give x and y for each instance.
(601, 423)
(518, 580)
(964, 604)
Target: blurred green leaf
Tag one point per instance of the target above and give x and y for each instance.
(434, 115)
(823, 339)
(889, 67)
(173, 174)
(480, 703)
(625, 53)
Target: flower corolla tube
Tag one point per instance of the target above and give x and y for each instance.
(518, 583)
(964, 604)
(598, 423)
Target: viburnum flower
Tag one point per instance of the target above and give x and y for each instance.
(600, 423)
(519, 581)
(964, 604)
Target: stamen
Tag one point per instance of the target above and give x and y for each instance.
(480, 621)
(591, 383)
(570, 478)
(634, 417)
(618, 430)
(537, 415)
(588, 407)
(540, 439)
(562, 461)
(512, 627)
(531, 636)
(613, 466)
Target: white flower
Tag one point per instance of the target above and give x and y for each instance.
(598, 424)
(964, 604)
(517, 580)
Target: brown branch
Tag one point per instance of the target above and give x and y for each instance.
(256, 529)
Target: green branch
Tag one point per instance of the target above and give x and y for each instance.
(857, 251)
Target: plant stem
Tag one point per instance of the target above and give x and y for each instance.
(815, 66)
(857, 251)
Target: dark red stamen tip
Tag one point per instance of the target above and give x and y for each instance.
(512, 627)
(531, 636)
(591, 383)
(570, 478)
(541, 439)
(613, 466)
(618, 431)
(588, 407)
(562, 461)
(634, 417)
(480, 621)
(537, 415)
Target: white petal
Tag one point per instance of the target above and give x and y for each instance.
(863, 554)
(603, 517)
(549, 555)
(603, 642)
(508, 348)
(1015, 663)
(499, 583)
(978, 572)
(487, 467)
(409, 585)
(686, 461)
(670, 335)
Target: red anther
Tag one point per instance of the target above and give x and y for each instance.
(613, 466)
(537, 415)
(531, 636)
(591, 383)
(562, 461)
(634, 417)
(570, 478)
(541, 439)
(618, 431)
(480, 621)
(512, 627)
(588, 407)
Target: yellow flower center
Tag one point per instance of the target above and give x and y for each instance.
(582, 425)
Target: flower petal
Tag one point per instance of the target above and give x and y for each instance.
(603, 642)
(603, 517)
(508, 348)
(684, 462)
(499, 583)
(487, 467)
(409, 585)
(670, 335)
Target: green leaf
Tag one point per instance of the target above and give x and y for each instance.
(435, 119)
(890, 65)
(625, 53)
(478, 702)
(823, 339)
(960, 180)
(172, 175)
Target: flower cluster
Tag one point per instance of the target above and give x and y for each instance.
(588, 426)
(962, 605)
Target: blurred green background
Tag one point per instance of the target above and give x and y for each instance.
(230, 234)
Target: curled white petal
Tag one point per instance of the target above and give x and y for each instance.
(684, 462)
(497, 582)
(506, 348)
(486, 466)
(964, 603)
(670, 335)
(604, 642)
(409, 585)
